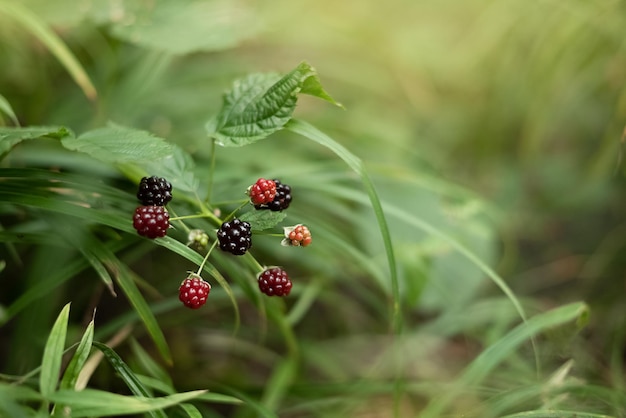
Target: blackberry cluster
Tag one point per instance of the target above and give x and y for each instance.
(275, 282)
(281, 200)
(235, 237)
(154, 191)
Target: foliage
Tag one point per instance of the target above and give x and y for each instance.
(464, 205)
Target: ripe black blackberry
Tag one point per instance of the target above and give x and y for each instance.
(274, 282)
(282, 199)
(154, 191)
(235, 237)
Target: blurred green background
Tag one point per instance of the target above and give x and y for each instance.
(497, 122)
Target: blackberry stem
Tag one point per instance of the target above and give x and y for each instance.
(206, 257)
(232, 214)
(178, 218)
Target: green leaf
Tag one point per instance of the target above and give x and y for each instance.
(208, 25)
(190, 410)
(90, 402)
(177, 168)
(78, 360)
(261, 104)
(53, 353)
(12, 399)
(127, 375)
(5, 107)
(118, 144)
(260, 220)
(9, 137)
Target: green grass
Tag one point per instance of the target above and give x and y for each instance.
(466, 208)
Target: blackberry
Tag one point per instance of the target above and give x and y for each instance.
(193, 292)
(297, 236)
(154, 191)
(151, 221)
(261, 192)
(235, 237)
(274, 282)
(282, 199)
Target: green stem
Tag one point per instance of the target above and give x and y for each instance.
(206, 258)
(232, 214)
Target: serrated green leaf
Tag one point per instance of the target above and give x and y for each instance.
(90, 402)
(78, 360)
(53, 353)
(313, 87)
(10, 136)
(261, 220)
(261, 104)
(118, 144)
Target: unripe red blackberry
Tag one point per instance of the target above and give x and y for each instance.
(282, 199)
(235, 237)
(154, 191)
(151, 221)
(274, 282)
(262, 192)
(193, 291)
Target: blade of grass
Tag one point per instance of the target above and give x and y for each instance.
(309, 131)
(56, 46)
(491, 357)
(53, 353)
(90, 402)
(127, 375)
(78, 360)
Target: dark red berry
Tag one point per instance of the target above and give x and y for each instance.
(281, 200)
(235, 237)
(151, 221)
(275, 282)
(261, 192)
(193, 292)
(154, 191)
